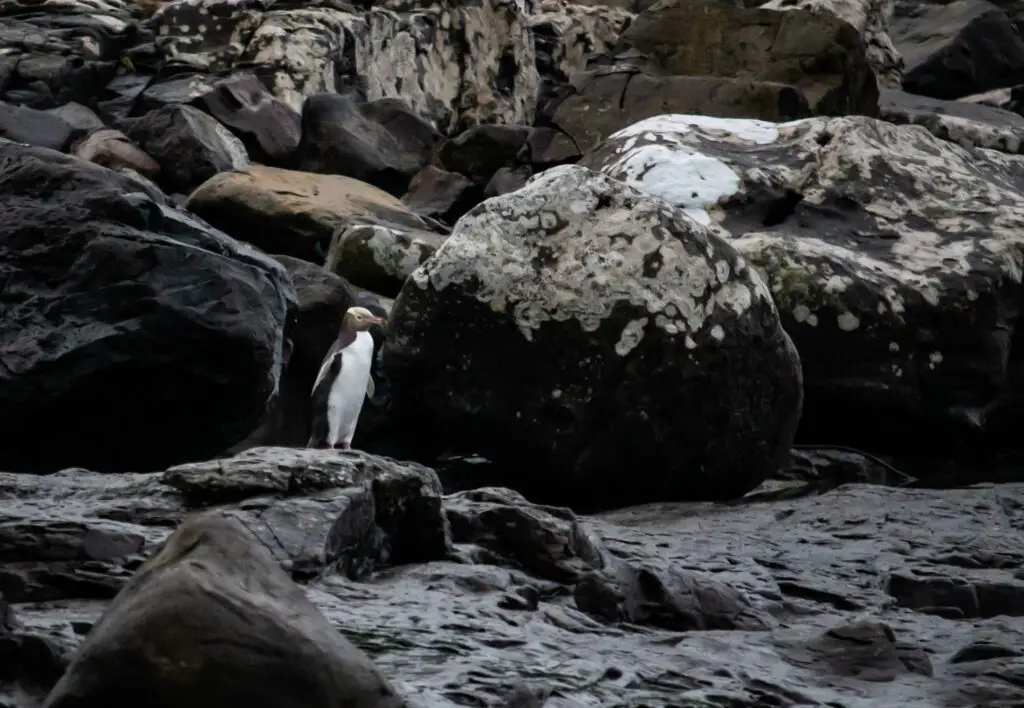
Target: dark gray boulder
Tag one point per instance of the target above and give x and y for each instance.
(210, 621)
(132, 335)
(381, 142)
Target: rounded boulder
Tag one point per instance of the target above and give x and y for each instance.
(597, 345)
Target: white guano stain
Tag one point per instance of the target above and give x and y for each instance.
(572, 244)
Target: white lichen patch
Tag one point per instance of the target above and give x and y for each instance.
(848, 321)
(927, 212)
(537, 255)
(652, 155)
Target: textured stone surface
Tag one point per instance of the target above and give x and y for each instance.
(966, 124)
(957, 49)
(290, 212)
(593, 308)
(380, 258)
(133, 335)
(887, 594)
(893, 256)
(870, 17)
(821, 54)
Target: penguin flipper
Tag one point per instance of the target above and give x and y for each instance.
(320, 399)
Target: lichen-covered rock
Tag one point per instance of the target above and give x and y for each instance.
(821, 54)
(870, 17)
(598, 345)
(894, 257)
(291, 212)
(566, 34)
(379, 257)
(458, 63)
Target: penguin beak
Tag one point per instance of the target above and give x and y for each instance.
(379, 321)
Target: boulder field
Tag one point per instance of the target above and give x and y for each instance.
(700, 385)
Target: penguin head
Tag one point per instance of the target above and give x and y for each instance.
(359, 319)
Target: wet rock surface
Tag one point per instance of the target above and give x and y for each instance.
(236, 174)
(866, 590)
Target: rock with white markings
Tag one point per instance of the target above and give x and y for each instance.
(455, 63)
(598, 345)
(894, 257)
(380, 257)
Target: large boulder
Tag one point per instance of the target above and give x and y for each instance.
(598, 345)
(212, 620)
(817, 52)
(894, 258)
(132, 336)
(956, 49)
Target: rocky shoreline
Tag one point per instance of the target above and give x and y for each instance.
(700, 386)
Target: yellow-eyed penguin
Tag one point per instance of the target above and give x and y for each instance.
(343, 381)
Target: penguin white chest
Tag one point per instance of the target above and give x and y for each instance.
(345, 402)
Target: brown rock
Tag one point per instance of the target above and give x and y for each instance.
(611, 98)
(293, 213)
(112, 148)
(824, 56)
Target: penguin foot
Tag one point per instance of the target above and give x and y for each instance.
(342, 446)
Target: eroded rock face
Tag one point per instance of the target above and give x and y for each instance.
(457, 64)
(893, 256)
(602, 343)
(155, 338)
(215, 605)
(870, 17)
(711, 38)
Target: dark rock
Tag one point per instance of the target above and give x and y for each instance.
(957, 49)
(818, 53)
(78, 117)
(323, 299)
(489, 622)
(215, 604)
(507, 179)
(189, 145)
(27, 125)
(481, 151)
(357, 511)
(565, 391)
(114, 308)
(381, 142)
(967, 124)
(608, 99)
(546, 542)
(548, 147)
(443, 195)
(269, 128)
(680, 601)
(958, 597)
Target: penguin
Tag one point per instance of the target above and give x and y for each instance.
(343, 381)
